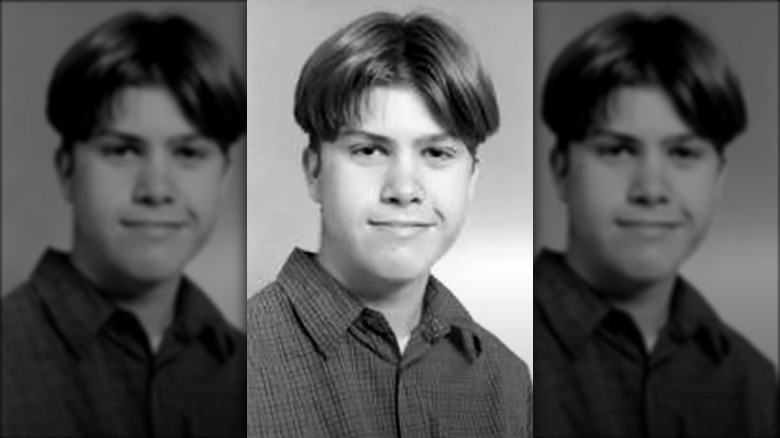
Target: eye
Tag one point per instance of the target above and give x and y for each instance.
(368, 152)
(686, 153)
(119, 151)
(619, 150)
(440, 155)
(191, 152)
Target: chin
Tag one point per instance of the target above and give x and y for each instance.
(152, 271)
(647, 272)
(393, 270)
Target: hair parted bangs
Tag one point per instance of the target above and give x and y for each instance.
(385, 49)
(631, 50)
(137, 50)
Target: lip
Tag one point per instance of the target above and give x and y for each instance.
(402, 227)
(650, 224)
(396, 223)
(146, 223)
(154, 228)
(649, 229)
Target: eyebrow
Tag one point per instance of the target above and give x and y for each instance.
(677, 138)
(378, 138)
(108, 132)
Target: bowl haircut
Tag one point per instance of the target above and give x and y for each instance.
(382, 49)
(138, 50)
(632, 50)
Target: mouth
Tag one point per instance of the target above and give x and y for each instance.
(154, 228)
(401, 223)
(652, 228)
(402, 227)
(633, 223)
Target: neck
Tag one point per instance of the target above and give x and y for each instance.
(152, 303)
(649, 308)
(154, 307)
(647, 303)
(401, 306)
(399, 302)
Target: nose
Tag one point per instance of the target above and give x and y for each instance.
(650, 185)
(402, 185)
(154, 184)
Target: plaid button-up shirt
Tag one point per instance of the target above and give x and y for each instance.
(322, 365)
(74, 364)
(595, 378)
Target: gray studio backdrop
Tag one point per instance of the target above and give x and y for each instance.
(737, 266)
(490, 267)
(34, 215)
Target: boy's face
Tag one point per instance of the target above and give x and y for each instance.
(641, 192)
(393, 192)
(145, 191)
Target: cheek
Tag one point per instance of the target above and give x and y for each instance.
(450, 192)
(594, 192)
(699, 195)
(348, 192)
(202, 191)
(100, 193)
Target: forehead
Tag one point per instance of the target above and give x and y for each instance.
(148, 110)
(397, 112)
(643, 112)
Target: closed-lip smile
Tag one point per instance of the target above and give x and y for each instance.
(154, 229)
(144, 223)
(650, 224)
(396, 223)
(402, 228)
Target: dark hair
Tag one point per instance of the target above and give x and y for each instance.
(629, 49)
(385, 49)
(134, 49)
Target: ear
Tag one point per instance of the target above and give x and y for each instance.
(474, 178)
(311, 169)
(559, 165)
(720, 178)
(64, 163)
(228, 157)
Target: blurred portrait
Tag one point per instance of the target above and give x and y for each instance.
(655, 272)
(123, 128)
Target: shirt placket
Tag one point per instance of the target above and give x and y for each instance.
(413, 420)
(410, 418)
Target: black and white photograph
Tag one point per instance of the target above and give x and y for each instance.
(655, 207)
(123, 184)
(389, 219)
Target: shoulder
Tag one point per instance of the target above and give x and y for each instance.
(740, 354)
(748, 359)
(755, 378)
(503, 360)
(272, 325)
(22, 298)
(267, 309)
(24, 320)
(510, 378)
(31, 349)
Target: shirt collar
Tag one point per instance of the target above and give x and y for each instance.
(198, 318)
(79, 310)
(574, 310)
(327, 309)
(692, 317)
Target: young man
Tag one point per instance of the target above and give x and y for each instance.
(111, 339)
(359, 340)
(643, 108)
